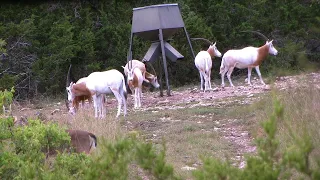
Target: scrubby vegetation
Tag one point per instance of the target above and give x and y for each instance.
(287, 148)
(39, 40)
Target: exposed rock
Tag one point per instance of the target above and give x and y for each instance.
(188, 168)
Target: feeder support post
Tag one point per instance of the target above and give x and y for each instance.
(129, 57)
(164, 61)
(190, 45)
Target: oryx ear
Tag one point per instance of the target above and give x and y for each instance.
(125, 69)
(215, 43)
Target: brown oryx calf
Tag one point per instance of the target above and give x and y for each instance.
(82, 141)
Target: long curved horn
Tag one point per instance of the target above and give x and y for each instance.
(206, 40)
(154, 71)
(258, 33)
(68, 76)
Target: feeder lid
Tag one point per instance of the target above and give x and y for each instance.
(147, 21)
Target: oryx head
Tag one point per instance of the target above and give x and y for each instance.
(272, 49)
(216, 52)
(154, 81)
(130, 75)
(71, 96)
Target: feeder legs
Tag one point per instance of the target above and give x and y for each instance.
(188, 38)
(164, 61)
(129, 57)
(160, 76)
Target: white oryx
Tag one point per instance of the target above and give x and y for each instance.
(148, 77)
(135, 80)
(248, 57)
(203, 62)
(98, 84)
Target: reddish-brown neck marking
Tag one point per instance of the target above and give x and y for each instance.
(211, 51)
(262, 54)
(80, 89)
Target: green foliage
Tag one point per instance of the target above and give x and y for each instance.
(149, 160)
(6, 98)
(24, 155)
(69, 166)
(112, 162)
(215, 169)
(39, 137)
(7, 81)
(2, 44)
(23, 149)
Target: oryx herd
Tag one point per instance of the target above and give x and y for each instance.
(97, 84)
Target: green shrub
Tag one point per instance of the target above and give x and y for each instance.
(24, 155)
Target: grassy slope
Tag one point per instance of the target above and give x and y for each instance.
(195, 132)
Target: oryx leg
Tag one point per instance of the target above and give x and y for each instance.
(95, 105)
(209, 80)
(249, 75)
(223, 73)
(135, 97)
(201, 79)
(138, 98)
(119, 99)
(101, 106)
(259, 74)
(229, 76)
(124, 102)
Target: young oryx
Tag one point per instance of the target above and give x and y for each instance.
(249, 57)
(82, 141)
(98, 84)
(204, 64)
(148, 77)
(135, 80)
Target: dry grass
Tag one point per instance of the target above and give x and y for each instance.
(188, 134)
(301, 116)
